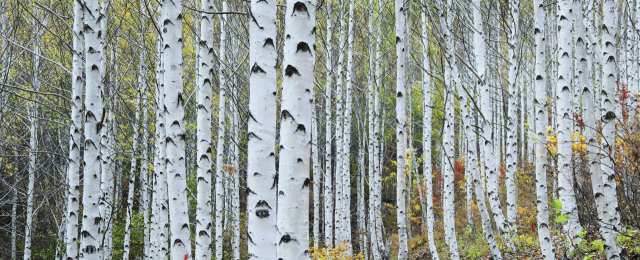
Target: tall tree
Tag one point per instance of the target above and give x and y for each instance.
(512, 122)
(203, 158)
(295, 130)
(73, 169)
(540, 104)
(401, 117)
(328, 176)
(175, 130)
(609, 84)
(219, 201)
(94, 118)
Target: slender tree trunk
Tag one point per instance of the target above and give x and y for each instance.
(161, 213)
(73, 169)
(400, 12)
(219, 201)
(203, 158)
(235, 179)
(107, 180)
(379, 149)
(295, 134)
(373, 157)
(33, 156)
(91, 219)
(175, 131)
(448, 135)
(565, 175)
(610, 218)
(346, 156)
(132, 172)
(540, 103)
(339, 180)
(14, 218)
(427, 116)
(316, 179)
(478, 185)
(362, 228)
(512, 122)
(328, 180)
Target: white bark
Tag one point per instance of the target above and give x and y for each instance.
(540, 105)
(427, 115)
(401, 192)
(512, 122)
(316, 179)
(379, 151)
(219, 201)
(161, 206)
(373, 135)
(328, 180)
(362, 228)
(346, 141)
(14, 218)
(132, 173)
(565, 122)
(175, 130)
(295, 134)
(33, 148)
(339, 180)
(448, 135)
(235, 179)
(609, 82)
(478, 184)
(487, 142)
(203, 134)
(73, 169)
(94, 118)
(107, 180)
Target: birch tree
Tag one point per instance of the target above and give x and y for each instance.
(219, 203)
(328, 176)
(203, 158)
(609, 82)
(540, 104)
(401, 192)
(73, 168)
(175, 131)
(295, 134)
(512, 123)
(91, 219)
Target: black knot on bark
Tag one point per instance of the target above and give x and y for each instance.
(90, 249)
(609, 115)
(300, 7)
(268, 41)
(262, 213)
(290, 70)
(399, 94)
(301, 128)
(286, 239)
(303, 47)
(256, 69)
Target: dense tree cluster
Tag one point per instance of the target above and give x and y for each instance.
(258, 129)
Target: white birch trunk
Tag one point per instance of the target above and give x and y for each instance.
(33, 148)
(175, 130)
(362, 228)
(107, 181)
(487, 142)
(565, 122)
(379, 149)
(94, 118)
(328, 180)
(316, 179)
(161, 206)
(373, 157)
(235, 180)
(73, 169)
(14, 218)
(219, 201)
(203, 134)
(609, 82)
(427, 115)
(132, 174)
(478, 185)
(346, 153)
(512, 122)
(401, 193)
(540, 104)
(295, 134)
(448, 135)
(339, 180)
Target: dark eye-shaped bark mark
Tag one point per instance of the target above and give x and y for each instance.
(257, 69)
(286, 115)
(287, 239)
(300, 7)
(301, 128)
(90, 249)
(399, 94)
(268, 41)
(177, 242)
(253, 135)
(306, 183)
(303, 47)
(262, 213)
(290, 70)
